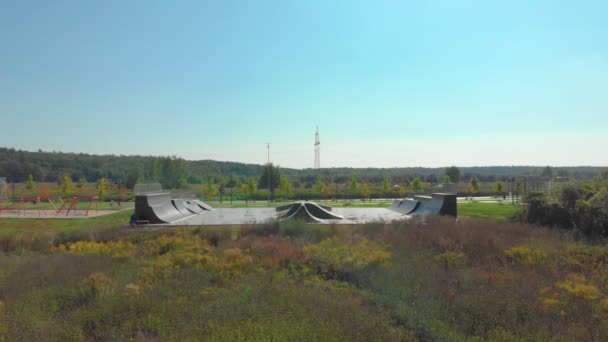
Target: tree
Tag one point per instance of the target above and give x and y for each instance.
(354, 185)
(252, 187)
(172, 172)
(468, 190)
(102, 187)
(221, 188)
(499, 188)
(416, 185)
(474, 185)
(232, 182)
(386, 186)
(319, 185)
(30, 185)
(454, 173)
(275, 177)
(327, 191)
(285, 187)
(364, 191)
(66, 184)
(446, 180)
(210, 188)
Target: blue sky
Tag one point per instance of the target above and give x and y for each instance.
(389, 83)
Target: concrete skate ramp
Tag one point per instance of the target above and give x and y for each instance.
(193, 208)
(436, 204)
(307, 211)
(160, 208)
(202, 205)
(180, 205)
(404, 206)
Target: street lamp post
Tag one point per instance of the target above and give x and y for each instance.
(269, 190)
(13, 180)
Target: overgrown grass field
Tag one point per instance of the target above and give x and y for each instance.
(445, 280)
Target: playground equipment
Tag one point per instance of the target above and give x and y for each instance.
(74, 201)
(69, 204)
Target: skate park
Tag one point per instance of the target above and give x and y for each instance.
(163, 208)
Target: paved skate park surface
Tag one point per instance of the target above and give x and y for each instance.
(163, 209)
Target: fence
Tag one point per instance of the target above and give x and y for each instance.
(148, 188)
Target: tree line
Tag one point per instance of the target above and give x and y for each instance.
(580, 206)
(175, 172)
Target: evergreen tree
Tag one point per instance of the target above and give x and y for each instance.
(275, 177)
(454, 173)
(30, 185)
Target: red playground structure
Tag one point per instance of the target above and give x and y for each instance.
(69, 204)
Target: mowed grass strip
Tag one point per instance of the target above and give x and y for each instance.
(494, 211)
(12, 226)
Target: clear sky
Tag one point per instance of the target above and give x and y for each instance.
(389, 83)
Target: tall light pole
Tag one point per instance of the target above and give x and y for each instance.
(268, 148)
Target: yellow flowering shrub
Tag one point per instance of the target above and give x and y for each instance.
(573, 293)
(525, 255)
(333, 255)
(116, 249)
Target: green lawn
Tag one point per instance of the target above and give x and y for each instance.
(12, 226)
(495, 211)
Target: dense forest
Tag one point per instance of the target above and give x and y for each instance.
(127, 170)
